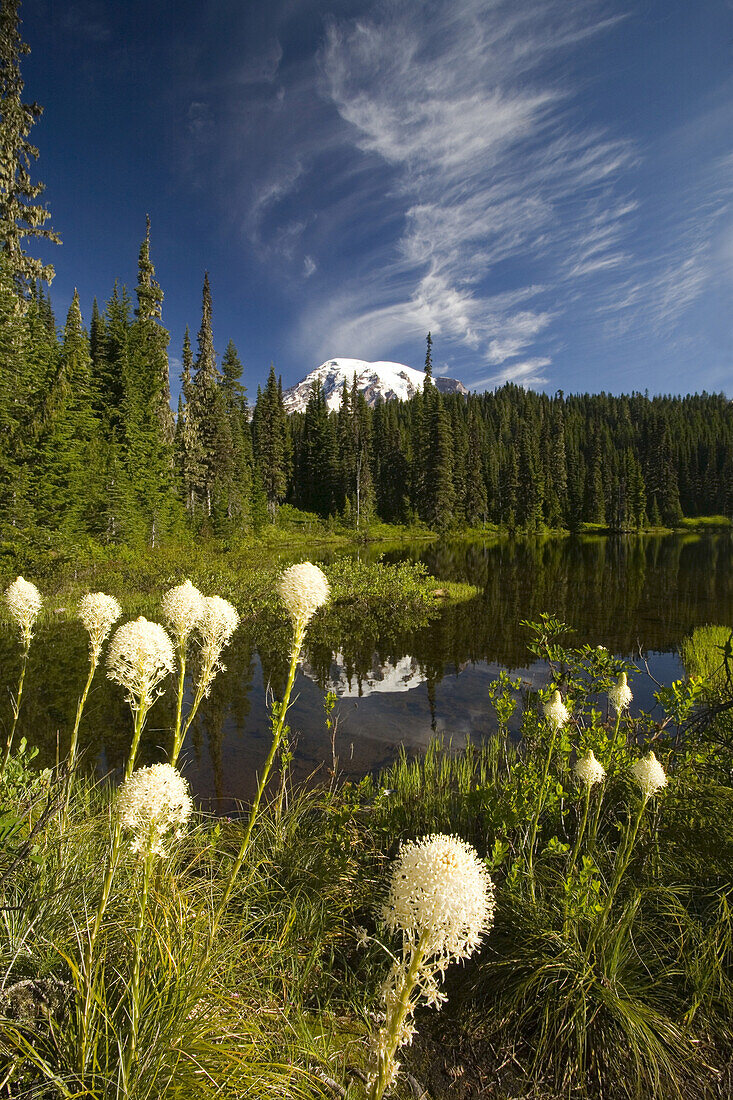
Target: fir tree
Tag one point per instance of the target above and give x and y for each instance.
(188, 451)
(438, 487)
(21, 218)
(207, 411)
(65, 470)
(148, 418)
(235, 403)
(475, 497)
(111, 363)
(428, 361)
(270, 443)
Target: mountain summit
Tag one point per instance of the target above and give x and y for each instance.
(388, 381)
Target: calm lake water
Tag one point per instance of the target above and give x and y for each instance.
(632, 594)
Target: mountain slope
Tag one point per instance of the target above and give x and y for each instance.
(388, 381)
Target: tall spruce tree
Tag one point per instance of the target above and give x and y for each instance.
(235, 403)
(207, 411)
(438, 488)
(148, 419)
(21, 217)
(270, 443)
(188, 450)
(66, 470)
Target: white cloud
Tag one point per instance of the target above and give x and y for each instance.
(529, 372)
(485, 152)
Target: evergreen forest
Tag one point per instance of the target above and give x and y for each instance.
(90, 447)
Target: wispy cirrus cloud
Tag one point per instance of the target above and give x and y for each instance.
(450, 165)
(484, 150)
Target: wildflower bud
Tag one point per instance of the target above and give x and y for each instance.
(140, 655)
(620, 695)
(441, 896)
(183, 609)
(588, 770)
(303, 589)
(154, 804)
(556, 713)
(99, 613)
(649, 774)
(24, 602)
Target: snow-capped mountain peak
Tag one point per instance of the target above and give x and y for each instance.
(388, 381)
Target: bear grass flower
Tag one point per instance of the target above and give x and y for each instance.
(218, 622)
(140, 655)
(588, 770)
(649, 774)
(441, 896)
(303, 589)
(183, 610)
(99, 613)
(620, 694)
(555, 711)
(154, 804)
(24, 602)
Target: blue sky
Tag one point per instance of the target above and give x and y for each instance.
(546, 185)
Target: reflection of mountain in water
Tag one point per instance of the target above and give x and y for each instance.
(383, 676)
(397, 681)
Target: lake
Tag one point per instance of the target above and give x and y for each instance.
(638, 596)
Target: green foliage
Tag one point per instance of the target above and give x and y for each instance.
(707, 654)
(21, 218)
(608, 972)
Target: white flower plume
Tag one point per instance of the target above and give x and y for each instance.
(588, 770)
(218, 622)
(555, 711)
(99, 612)
(183, 609)
(140, 655)
(441, 896)
(620, 694)
(303, 589)
(24, 602)
(154, 804)
(649, 774)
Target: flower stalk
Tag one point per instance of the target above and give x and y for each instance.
(303, 589)
(397, 1012)
(557, 715)
(24, 603)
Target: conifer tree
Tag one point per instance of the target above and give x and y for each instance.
(207, 411)
(438, 490)
(111, 363)
(188, 452)
(21, 217)
(148, 418)
(235, 403)
(18, 390)
(428, 361)
(270, 443)
(65, 470)
(530, 486)
(475, 497)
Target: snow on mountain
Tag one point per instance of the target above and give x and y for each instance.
(388, 381)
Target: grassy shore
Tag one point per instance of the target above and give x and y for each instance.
(251, 961)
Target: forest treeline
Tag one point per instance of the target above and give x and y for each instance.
(90, 446)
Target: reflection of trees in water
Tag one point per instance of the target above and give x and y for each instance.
(615, 591)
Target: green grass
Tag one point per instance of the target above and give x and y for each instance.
(608, 972)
